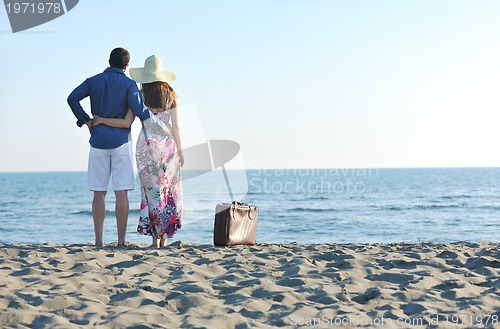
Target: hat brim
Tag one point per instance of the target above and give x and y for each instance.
(140, 75)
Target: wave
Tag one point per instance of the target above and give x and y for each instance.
(438, 206)
(395, 208)
(463, 196)
(421, 206)
(137, 211)
(82, 212)
(489, 207)
(309, 199)
(8, 204)
(108, 212)
(319, 198)
(313, 209)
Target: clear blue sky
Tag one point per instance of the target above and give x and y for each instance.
(296, 83)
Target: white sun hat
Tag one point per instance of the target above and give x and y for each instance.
(152, 71)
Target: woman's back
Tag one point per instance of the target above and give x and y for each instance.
(159, 167)
(159, 125)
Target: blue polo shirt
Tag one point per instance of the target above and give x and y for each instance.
(111, 94)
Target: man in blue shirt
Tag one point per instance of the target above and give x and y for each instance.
(111, 93)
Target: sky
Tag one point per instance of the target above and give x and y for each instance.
(302, 84)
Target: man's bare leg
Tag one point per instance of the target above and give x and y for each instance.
(121, 215)
(99, 213)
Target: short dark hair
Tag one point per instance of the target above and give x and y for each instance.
(119, 58)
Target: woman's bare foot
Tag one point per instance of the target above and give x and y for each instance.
(156, 243)
(163, 242)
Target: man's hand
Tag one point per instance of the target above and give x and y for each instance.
(89, 125)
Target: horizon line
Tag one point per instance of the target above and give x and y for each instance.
(276, 168)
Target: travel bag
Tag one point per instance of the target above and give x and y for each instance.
(236, 222)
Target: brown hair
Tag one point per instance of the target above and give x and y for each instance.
(156, 94)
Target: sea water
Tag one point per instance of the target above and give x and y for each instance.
(302, 205)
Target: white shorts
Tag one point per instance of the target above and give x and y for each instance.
(117, 163)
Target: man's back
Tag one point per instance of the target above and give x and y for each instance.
(111, 94)
(108, 99)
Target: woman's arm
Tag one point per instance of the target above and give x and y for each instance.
(177, 132)
(117, 123)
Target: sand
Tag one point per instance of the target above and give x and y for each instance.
(263, 286)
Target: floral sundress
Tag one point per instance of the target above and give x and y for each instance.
(159, 171)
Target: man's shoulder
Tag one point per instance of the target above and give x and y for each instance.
(98, 76)
(112, 74)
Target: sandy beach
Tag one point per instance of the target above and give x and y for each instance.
(264, 286)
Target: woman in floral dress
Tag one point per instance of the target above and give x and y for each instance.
(159, 153)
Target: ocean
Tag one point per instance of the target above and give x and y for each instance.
(296, 205)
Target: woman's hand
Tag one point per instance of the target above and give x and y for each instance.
(181, 158)
(90, 124)
(97, 120)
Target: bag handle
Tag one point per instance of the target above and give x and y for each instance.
(234, 204)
